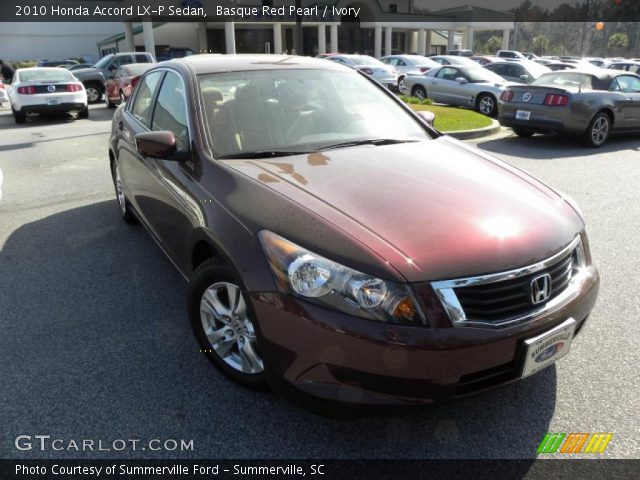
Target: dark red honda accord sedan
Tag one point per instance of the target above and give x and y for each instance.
(334, 242)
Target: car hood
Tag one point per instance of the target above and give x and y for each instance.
(432, 209)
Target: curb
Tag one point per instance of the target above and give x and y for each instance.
(476, 133)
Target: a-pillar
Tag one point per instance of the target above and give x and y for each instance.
(230, 37)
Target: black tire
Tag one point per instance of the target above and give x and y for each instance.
(214, 275)
(598, 130)
(84, 113)
(486, 104)
(19, 117)
(400, 80)
(124, 207)
(94, 91)
(523, 132)
(419, 92)
(123, 99)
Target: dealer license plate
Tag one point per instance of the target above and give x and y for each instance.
(548, 347)
(523, 114)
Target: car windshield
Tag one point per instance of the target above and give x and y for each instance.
(102, 63)
(300, 111)
(480, 75)
(49, 75)
(565, 78)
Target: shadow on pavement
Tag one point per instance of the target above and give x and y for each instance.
(96, 344)
(553, 147)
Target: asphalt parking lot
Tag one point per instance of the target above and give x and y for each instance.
(96, 344)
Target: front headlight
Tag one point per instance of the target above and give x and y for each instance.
(320, 280)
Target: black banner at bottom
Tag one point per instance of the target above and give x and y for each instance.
(318, 469)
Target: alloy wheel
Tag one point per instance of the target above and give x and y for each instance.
(228, 328)
(486, 105)
(600, 130)
(93, 94)
(122, 201)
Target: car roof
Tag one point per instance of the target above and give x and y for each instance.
(216, 63)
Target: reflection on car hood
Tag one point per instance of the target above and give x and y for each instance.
(433, 210)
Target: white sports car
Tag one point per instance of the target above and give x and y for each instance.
(42, 89)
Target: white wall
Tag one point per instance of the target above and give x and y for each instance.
(51, 40)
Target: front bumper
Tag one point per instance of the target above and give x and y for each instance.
(334, 356)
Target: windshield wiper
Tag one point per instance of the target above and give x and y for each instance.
(366, 141)
(263, 154)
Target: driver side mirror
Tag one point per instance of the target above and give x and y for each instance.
(461, 80)
(524, 77)
(160, 144)
(427, 116)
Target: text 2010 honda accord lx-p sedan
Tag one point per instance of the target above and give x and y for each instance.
(335, 243)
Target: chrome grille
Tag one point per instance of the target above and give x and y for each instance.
(510, 298)
(501, 299)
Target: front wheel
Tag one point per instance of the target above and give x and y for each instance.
(107, 101)
(123, 204)
(224, 324)
(419, 92)
(486, 104)
(598, 130)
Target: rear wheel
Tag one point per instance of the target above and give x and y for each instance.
(523, 132)
(487, 105)
(123, 99)
(419, 92)
(19, 117)
(598, 130)
(107, 101)
(224, 324)
(94, 92)
(84, 113)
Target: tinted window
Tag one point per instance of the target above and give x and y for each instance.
(170, 112)
(142, 59)
(141, 106)
(120, 61)
(448, 73)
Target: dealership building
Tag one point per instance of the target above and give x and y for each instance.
(382, 27)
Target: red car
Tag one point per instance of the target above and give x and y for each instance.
(119, 86)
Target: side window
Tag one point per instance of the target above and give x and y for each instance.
(629, 84)
(447, 73)
(498, 69)
(400, 63)
(170, 112)
(615, 86)
(142, 59)
(634, 68)
(120, 61)
(141, 106)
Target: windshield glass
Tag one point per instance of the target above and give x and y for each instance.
(565, 78)
(478, 75)
(299, 110)
(102, 63)
(52, 75)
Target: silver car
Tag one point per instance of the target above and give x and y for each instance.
(377, 70)
(453, 60)
(466, 86)
(525, 71)
(409, 65)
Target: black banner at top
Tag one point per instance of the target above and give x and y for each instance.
(446, 13)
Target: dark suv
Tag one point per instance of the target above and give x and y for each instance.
(334, 242)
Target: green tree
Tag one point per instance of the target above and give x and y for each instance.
(618, 42)
(493, 44)
(540, 44)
